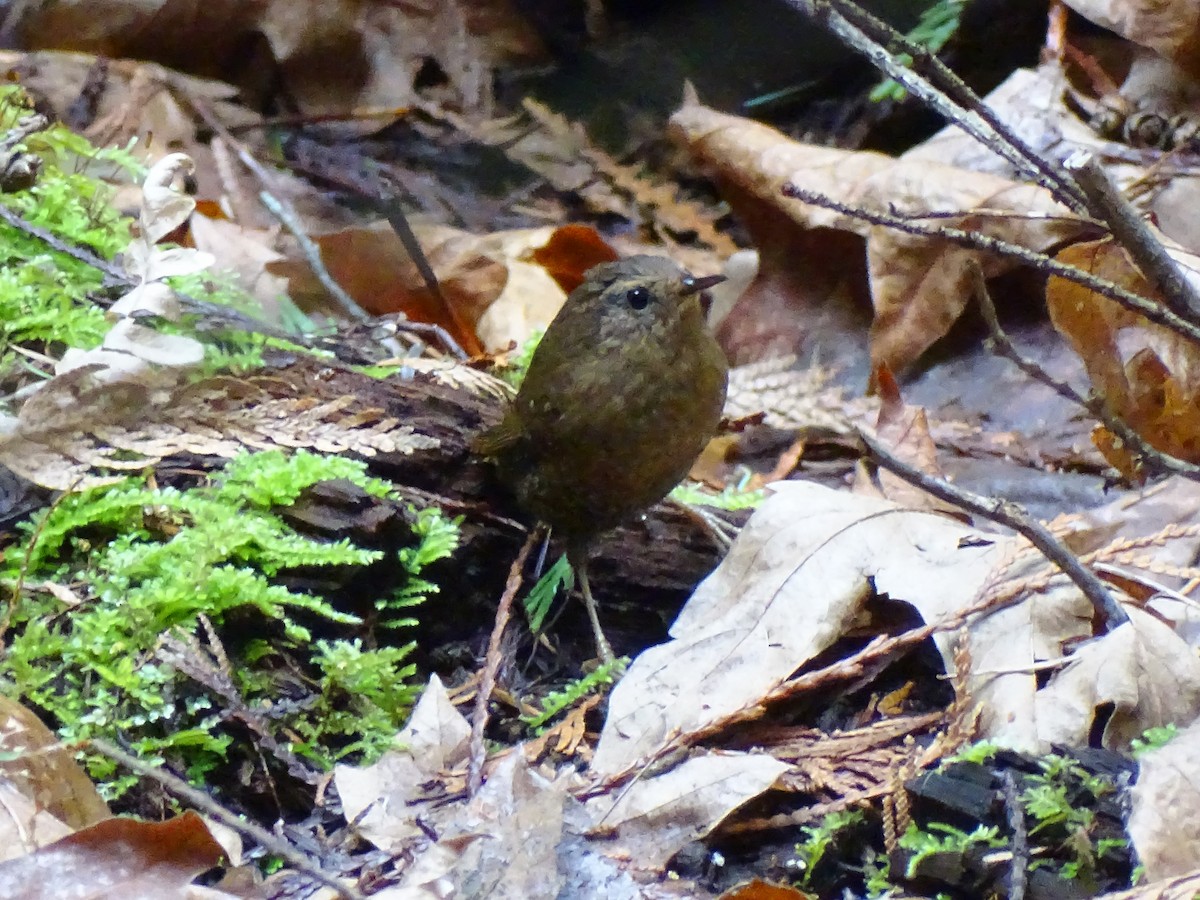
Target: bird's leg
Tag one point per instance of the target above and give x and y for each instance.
(602, 647)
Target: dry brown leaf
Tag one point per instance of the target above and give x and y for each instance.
(246, 252)
(757, 889)
(24, 824)
(494, 283)
(570, 252)
(165, 208)
(797, 576)
(904, 430)
(507, 835)
(1143, 670)
(381, 799)
(561, 152)
(1148, 375)
(532, 294)
(1171, 27)
(1183, 888)
(656, 816)
(46, 774)
(1029, 101)
(333, 55)
(116, 858)
(139, 103)
(919, 286)
(1164, 818)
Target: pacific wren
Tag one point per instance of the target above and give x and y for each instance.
(622, 393)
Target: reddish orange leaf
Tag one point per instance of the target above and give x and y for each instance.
(571, 251)
(116, 858)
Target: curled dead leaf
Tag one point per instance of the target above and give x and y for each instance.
(165, 208)
(919, 285)
(1148, 375)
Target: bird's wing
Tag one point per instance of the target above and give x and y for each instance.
(499, 437)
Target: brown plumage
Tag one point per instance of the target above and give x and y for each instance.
(623, 392)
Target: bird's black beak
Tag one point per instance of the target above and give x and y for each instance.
(696, 285)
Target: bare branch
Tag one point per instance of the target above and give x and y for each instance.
(1153, 311)
(201, 801)
(1130, 230)
(867, 35)
(491, 666)
(1012, 516)
(1148, 456)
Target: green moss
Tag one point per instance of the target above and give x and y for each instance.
(518, 365)
(148, 562)
(820, 837)
(938, 837)
(1152, 739)
(43, 292)
(46, 295)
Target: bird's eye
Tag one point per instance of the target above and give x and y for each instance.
(638, 297)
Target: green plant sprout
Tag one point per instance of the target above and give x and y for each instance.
(1052, 798)
(559, 701)
(733, 497)
(559, 576)
(938, 837)
(877, 876)
(518, 365)
(937, 25)
(979, 753)
(1049, 805)
(1153, 739)
(819, 837)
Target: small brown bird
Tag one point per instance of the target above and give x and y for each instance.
(623, 392)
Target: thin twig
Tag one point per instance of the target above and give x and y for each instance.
(1095, 405)
(943, 78)
(1143, 306)
(1018, 874)
(286, 214)
(836, 16)
(1131, 232)
(400, 225)
(1090, 189)
(487, 681)
(113, 277)
(1011, 515)
(204, 803)
(878, 652)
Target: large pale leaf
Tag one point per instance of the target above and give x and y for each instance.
(1164, 819)
(796, 578)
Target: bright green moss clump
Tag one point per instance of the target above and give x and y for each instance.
(44, 292)
(148, 563)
